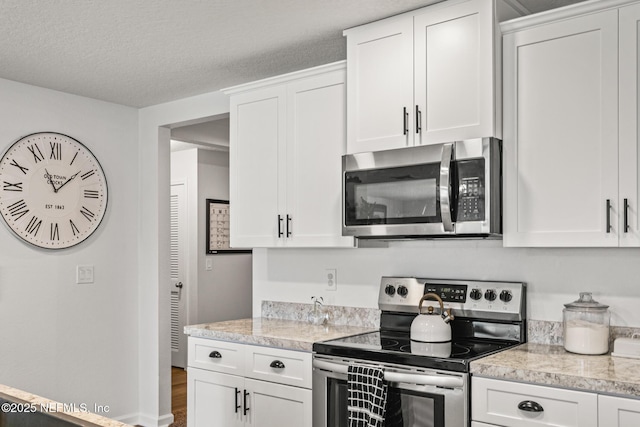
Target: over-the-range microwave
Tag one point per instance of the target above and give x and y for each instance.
(442, 190)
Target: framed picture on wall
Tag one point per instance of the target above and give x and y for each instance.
(218, 228)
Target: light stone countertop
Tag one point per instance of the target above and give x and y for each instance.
(38, 403)
(553, 366)
(287, 334)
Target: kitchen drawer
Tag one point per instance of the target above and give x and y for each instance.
(496, 402)
(219, 356)
(295, 366)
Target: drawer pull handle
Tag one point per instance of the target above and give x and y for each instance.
(215, 355)
(530, 406)
(277, 364)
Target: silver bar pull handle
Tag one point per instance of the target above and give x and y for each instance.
(445, 187)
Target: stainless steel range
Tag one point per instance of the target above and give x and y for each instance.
(428, 383)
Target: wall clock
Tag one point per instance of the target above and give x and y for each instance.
(53, 190)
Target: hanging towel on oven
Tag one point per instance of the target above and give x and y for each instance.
(367, 396)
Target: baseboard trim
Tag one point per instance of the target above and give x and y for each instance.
(149, 421)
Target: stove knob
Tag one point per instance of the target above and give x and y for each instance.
(490, 295)
(403, 291)
(475, 294)
(506, 296)
(390, 290)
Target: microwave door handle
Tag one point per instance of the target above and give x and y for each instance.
(445, 187)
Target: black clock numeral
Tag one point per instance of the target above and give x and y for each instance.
(12, 187)
(55, 233)
(74, 158)
(37, 157)
(74, 229)
(18, 209)
(34, 225)
(22, 168)
(87, 174)
(87, 213)
(56, 150)
(91, 194)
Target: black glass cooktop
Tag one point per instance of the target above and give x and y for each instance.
(397, 348)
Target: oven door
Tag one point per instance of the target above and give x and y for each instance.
(415, 397)
(397, 192)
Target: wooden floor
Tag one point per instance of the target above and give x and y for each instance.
(178, 390)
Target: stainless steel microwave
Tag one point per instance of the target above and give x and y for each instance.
(443, 190)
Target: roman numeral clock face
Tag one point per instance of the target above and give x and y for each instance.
(53, 192)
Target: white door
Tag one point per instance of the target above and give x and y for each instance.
(454, 79)
(380, 85)
(629, 223)
(561, 133)
(214, 399)
(277, 405)
(316, 143)
(618, 412)
(178, 245)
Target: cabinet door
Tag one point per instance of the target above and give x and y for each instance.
(618, 412)
(316, 143)
(212, 399)
(256, 152)
(380, 85)
(629, 116)
(560, 133)
(276, 405)
(454, 71)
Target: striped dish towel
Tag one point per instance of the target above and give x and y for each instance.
(367, 396)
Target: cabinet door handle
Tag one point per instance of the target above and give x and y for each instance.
(215, 354)
(288, 226)
(405, 120)
(280, 233)
(608, 216)
(277, 364)
(245, 403)
(445, 187)
(626, 215)
(237, 405)
(418, 120)
(530, 406)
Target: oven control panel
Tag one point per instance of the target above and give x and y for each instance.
(465, 298)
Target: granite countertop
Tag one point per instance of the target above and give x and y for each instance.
(52, 406)
(553, 366)
(288, 334)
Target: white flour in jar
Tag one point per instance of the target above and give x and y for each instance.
(585, 337)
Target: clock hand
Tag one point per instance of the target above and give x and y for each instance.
(50, 179)
(70, 178)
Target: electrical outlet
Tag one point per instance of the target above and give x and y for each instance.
(84, 274)
(208, 264)
(331, 275)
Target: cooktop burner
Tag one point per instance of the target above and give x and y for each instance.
(397, 348)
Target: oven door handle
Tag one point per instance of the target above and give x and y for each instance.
(445, 187)
(398, 377)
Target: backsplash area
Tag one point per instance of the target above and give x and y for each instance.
(546, 332)
(338, 315)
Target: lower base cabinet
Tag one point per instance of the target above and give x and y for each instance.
(231, 384)
(499, 403)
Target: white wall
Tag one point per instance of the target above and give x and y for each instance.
(554, 276)
(69, 342)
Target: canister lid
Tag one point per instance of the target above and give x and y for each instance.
(586, 303)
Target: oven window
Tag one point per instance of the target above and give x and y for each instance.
(405, 408)
(403, 195)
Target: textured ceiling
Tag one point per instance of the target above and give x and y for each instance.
(145, 52)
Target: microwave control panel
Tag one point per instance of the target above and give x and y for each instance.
(471, 190)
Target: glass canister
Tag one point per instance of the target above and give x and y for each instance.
(586, 326)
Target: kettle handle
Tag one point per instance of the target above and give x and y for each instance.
(443, 313)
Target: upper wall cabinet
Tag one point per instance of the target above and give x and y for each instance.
(424, 77)
(287, 138)
(570, 127)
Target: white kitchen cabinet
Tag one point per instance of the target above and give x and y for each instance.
(570, 128)
(247, 385)
(424, 77)
(618, 412)
(497, 402)
(287, 139)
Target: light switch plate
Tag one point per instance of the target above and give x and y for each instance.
(84, 274)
